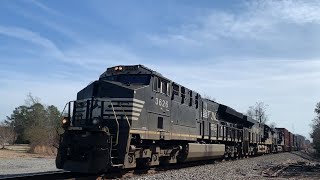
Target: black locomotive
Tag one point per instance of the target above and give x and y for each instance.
(134, 116)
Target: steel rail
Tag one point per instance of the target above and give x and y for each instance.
(49, 175)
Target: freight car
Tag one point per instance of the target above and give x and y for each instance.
(286, 138)
(133, 116)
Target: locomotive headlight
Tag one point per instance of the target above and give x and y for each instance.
(64, 121)
(120, 68)
(116, 68)
(95, 121)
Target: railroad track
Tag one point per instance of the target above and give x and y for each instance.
(116, 174)
(50, 175)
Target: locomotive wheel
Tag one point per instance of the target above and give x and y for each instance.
(143, 163)
(226, 156)
(236, 155)
(232, 155)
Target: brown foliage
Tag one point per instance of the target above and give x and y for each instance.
(45, 150)
(7, 135)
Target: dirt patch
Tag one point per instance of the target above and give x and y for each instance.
(11, 154)
(307, 169)
(301, 170)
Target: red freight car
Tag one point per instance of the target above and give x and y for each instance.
(287, 142)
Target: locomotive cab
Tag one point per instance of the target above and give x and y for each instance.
(97, 125)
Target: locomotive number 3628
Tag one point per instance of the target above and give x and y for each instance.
(162, 103)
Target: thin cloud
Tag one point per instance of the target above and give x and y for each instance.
(261, 20)
(44, 7)
(90, 55)
(289, 11)
(29, 36)
(49, 22)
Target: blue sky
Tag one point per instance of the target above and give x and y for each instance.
(237, 52)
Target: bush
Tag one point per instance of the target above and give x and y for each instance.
(36, 123)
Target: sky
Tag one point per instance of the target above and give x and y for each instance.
(237, 52)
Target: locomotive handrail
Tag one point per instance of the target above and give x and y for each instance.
(127, 120)
(125, 115)
(115, 116)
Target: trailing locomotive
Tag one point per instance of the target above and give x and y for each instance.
(133, 116)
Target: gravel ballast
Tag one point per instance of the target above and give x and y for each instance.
(26, 165)
(249, 168)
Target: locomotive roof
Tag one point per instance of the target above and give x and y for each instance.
(250, 119)
(229, 114)
(131, 69)
(228, 110)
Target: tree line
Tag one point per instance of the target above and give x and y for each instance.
(32, 123)
(315, 134)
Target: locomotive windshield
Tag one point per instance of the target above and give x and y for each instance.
(130, 78)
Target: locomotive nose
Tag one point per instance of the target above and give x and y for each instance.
(84, 151)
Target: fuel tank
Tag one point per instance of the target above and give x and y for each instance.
(204, 151)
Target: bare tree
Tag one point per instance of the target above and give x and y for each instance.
(258, 112)
(273, 125)
(31, 100)
(6, 134)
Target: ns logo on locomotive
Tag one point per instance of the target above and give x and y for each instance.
(134, 116)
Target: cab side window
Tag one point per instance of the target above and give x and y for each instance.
(197, 101)
(160, 85)
(155, 84)
(175, 90)
(190, 98)
(183, 91)
(164, 89)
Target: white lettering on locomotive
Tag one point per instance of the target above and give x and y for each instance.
(162, 103)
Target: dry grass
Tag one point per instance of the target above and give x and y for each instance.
(46, 150)
(9, 154)
(22, 151)
(18, 147)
